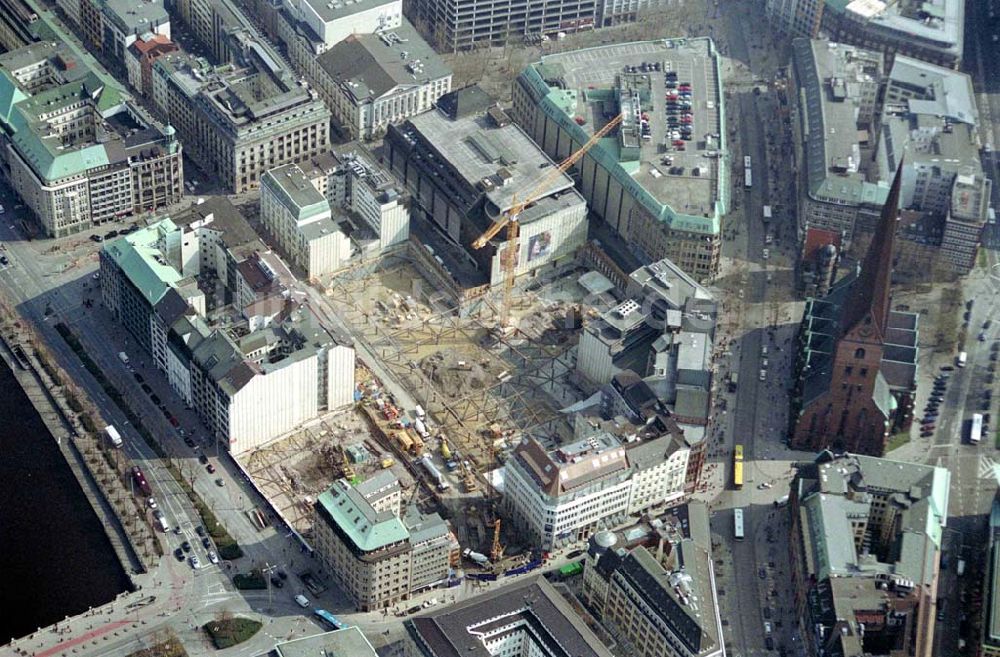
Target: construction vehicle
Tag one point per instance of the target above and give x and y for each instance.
(347, 470)
(509, 218)
(445, 450)
(387, 462)
(496, 551)
(403, 438)
(417, 443)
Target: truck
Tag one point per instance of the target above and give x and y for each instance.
(123, 357)
(962, 358)
(113, 435)
(403, 438)
(421, 428)
(436, 476)
(478, 557)
(767, 213)
(445, 450)
(418, 412)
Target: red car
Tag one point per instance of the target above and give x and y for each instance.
(686, 119)
(174, 422)
(210, 468)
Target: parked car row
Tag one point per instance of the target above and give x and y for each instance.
(680, 118)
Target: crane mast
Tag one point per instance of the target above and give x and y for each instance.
(509, 218)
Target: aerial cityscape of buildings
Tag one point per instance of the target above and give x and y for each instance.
(569, 329)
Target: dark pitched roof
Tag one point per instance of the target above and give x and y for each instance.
(465, 102)
(869, 296)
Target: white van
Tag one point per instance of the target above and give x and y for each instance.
(302, 600)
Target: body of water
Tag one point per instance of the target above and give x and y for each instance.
(56, 559)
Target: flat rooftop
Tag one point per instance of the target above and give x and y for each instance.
(478, 150)
(689, 184)
(532, 608)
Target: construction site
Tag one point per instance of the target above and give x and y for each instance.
(486, 364)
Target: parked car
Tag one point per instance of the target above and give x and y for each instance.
(186, 546)
(203, 458)
(210, 468)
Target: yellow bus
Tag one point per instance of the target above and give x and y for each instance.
(738, 467)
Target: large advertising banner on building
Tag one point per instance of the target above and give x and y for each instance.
(539, 245)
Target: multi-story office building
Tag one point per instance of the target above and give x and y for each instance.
(865, 546)
(564, 495)
(665, 604)
(661, 188)
(329, 22)
(526, 618)
(362, 187)
(267, 369)
(243, 118)
(213, 23)
(140, 57)
(990, 643)
(75, 147)
(855, 123)
(835, 117)
(471, 23)
(372, 80)
(379, 558)
(111, 26)
(298, 217)
(929, 30)
(930, 122)
(370, 198)
(466, 164)
(664, 312)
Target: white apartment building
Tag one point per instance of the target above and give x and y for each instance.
(372, 80)
(299, 218)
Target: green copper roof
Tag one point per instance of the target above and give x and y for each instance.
(366, 529)
(558, 105)
(10, 95)
(141, 261)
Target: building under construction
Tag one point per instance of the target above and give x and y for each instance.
(467, 165)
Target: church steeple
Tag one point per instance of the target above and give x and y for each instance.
(869, 296)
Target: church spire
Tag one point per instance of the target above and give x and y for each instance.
(869, 297)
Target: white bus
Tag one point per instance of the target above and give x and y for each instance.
(976, 428)
(738, 524)
(747, 172)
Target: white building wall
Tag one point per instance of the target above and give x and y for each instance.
(133, 69)
(272, 404)
(593, 359)
(340, 376)
(550, 238)
(178, 375)
(659, 484)
(381, 16)
(328, 253)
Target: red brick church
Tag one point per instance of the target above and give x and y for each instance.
(856, 366)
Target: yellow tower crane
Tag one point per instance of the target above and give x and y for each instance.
(509, 218)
